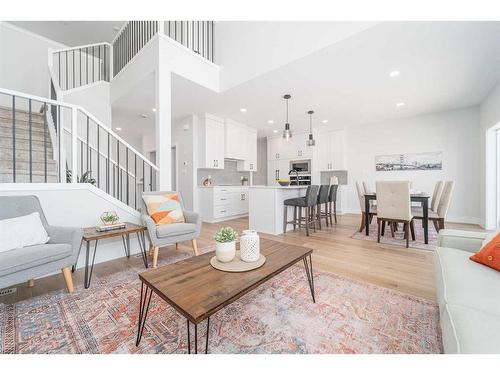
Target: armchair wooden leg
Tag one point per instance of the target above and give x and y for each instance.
(195, 246)
(412, 230)
(176, 246)
(31, 283)
(155, 256)
(68, 279)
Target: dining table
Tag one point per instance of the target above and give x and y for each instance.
(422, 198)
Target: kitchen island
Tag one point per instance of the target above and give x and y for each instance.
(266, 207)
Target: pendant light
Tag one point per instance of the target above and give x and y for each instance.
(311, 142)
(287, 133)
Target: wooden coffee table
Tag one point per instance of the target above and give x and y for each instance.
(197, 290)
(91, 234)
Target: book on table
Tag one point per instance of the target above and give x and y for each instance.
(108, 227)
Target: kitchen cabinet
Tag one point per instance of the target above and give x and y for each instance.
(295, 148)
(211, 142)
(219, 203)
(277, 169)
(329, 151)
(249, 163)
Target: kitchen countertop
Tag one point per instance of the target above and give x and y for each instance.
(279, 187)
(223, 186)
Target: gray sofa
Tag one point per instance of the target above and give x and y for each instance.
(59, 254)
(164, 235)
(468, 294)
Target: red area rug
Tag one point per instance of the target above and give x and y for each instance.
(277, 317)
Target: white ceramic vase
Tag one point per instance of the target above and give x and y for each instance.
(249, 246)
(225, 251)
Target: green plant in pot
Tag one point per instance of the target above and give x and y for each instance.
(225, 240)
(109, 217)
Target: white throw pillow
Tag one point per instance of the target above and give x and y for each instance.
(22, 231)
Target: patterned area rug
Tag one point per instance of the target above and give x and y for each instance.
(277, 317)
(398, 236)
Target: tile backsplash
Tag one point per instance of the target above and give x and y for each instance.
(227, 176)
(341, 175)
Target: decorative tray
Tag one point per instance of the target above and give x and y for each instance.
(237, 265)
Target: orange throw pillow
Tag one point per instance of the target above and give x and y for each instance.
(489, 255)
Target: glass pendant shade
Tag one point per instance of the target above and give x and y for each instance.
(310, 142)
(287, 133)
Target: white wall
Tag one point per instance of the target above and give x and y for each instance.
(489, 116)
(245, 50)
(454, 133)
(183, 138)
(95, 98)
(24, 60)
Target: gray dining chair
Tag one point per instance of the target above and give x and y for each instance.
(171, 234)
(373, 208)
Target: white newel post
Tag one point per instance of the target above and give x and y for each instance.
(74, 145)
(163, 121)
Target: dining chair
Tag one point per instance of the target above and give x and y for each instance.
(441, 199)
(373, 209)
(367, 188)
(444, 205)
(436, 195)
(394, 206)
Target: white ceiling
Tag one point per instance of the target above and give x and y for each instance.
(73, 33)
(443, 65)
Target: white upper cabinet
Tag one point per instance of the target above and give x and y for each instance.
(249, 163)
(329, 151)
(235, 140)
(295, 148)
(211, 140)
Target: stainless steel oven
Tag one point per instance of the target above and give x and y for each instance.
(301, 166)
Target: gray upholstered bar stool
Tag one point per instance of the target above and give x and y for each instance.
(332, 203)
(309, 203)
(322, 203)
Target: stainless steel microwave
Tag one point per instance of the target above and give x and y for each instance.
(301, 166)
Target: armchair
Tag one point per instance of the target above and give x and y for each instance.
(169, 234)
(60, 253)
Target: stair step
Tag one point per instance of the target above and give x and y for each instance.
(38, 166)
(24, 144)
(23, 134)
(23, 154)
(22, 125)
(25, 178)
(6, 112)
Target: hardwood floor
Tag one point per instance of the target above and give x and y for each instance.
(407, 270)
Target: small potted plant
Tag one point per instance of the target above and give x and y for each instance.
(109, 218)
(225, 240)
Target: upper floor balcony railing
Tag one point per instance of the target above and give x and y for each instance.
(198, 36)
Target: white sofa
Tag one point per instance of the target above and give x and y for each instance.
(468, 294)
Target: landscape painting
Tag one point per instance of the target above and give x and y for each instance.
(424, 161)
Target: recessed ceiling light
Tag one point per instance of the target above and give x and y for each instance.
(324, 121)
(270, 121)
(275, 131)
(118, 128)
(116, 28)
(144, 115)
(394, 73)
(243, 110)
(153, 109)
(400, 104)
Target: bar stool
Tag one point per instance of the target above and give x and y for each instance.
(332, 201)
(322, 200)
(309, 203)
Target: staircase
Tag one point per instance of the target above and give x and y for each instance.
(29, 136)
